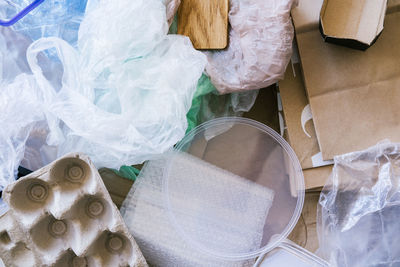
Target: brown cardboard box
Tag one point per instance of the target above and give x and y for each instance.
(354, 95)
(352, 23)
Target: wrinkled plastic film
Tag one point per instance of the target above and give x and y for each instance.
(172, 8)
(260, 46)
(358, 209)
(208, 104)
(52, 18)
(17, 12)
(21, 104)
(137, 127)
(121, 96)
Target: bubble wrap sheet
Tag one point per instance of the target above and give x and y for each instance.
(207, 201)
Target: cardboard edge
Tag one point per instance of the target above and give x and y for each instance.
(347, 42)
(317, 178)
(351, 43)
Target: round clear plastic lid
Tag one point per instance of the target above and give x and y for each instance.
(233, 188)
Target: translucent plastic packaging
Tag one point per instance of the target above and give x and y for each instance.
(260, 46)
(121, 97)
(172, 8)
(147, 218)
(214, 203)
(359, 208)
(141, 110)
(62, 215)
(208, 104)
(290, 254)
(11, 12)
(52, 18)
(20, 105)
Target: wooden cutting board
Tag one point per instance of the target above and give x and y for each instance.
(205, 22)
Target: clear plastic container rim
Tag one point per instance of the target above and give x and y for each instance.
(299, 185)
(300, 252)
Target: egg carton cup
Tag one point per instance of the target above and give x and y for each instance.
(62, 215)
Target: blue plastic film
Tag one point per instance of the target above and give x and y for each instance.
(21, 14)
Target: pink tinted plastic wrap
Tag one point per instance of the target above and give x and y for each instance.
(260, 46)
(172, 8)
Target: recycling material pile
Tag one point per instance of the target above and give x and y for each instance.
(113, 82)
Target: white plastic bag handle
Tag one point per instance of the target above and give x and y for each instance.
(67, 55)
(69, 59)
(74, 101)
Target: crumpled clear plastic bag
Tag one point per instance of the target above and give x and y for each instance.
(121, 97)
(20, 106)
(358, 212)
(208, 104)
(56, 18)
(260, 46)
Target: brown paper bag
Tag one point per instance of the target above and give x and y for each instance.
(354, 95)
(295, 106)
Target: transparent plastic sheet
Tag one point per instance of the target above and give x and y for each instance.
(20, 104)
(359, 208)
(52, 18)
(12, 55)
(208, 104)
(260, 46)
(290, 254)
(121, 97)
(172, 8)
(11, 12)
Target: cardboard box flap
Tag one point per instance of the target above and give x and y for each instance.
(354, 23)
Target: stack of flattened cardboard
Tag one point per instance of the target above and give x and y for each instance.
(353, 95)
(300, 130)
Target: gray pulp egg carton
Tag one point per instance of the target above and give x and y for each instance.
(62, 215)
